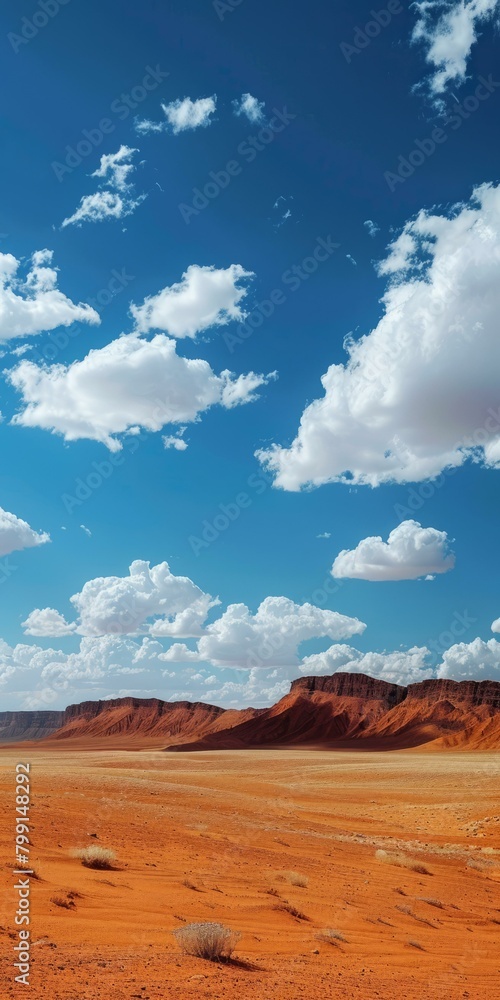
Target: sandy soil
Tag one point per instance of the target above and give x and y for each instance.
(215, 836)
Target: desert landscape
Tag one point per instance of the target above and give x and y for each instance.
(346, 872)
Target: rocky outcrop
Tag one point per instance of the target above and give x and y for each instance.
(17, 726)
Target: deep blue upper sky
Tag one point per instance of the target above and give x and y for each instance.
(352, 120)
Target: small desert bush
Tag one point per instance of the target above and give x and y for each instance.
(211, 941)
(402, 861)
(479, 864)
(96, 857)
(63, 901)
(292, 910)
(331, 936)
(431, 902)
(295, 878)
(416, 944)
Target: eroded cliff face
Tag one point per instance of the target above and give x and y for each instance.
(339, 710)
(16, 726)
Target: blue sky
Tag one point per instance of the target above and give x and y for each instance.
(343, 123)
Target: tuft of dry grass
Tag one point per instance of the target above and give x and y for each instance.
(189, 885)
(416, 944)
(431, 902)
(330, 936)
(292, 910)
(96, 857)
(213, 942)
(295, 878)
(64, 901)
(402, 861)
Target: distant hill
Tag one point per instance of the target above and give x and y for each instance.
(340, 711)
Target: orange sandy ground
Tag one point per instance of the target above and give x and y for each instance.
(205, 836)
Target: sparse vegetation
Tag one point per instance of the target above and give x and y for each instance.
(292, 910)
(295, 878)
(63, 901)
(213, 942)
(402, 861)
(96, 857)
(186, 882)
(407, 910)
(330, 936)
(416, 944)
(431, 902)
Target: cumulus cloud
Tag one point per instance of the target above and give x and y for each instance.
(400, 667)
(115, 168)
(448, 31)
(117, 203)
(204, 297)
(272, 636)
(47, 622)
(128, 384)
(477, 660)
(496, 625)
(182, 116)
(123, 605)
(371, 227)
(16, 534)
(250, 107)
(410, 552)
(419, 394)
(34, 304)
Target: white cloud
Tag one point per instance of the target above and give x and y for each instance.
(477, 660)
(324, 534)
(419, 394)
(123, 605)
(47, 622)
(16, 534)
(496, 625)
(183, 115)
(409, 553)
(115, 168)
(86, 530)
(127, 384)
(204, 297)
(250, 107)
(399, 667)
(272, 636)
(448, 31)
(372, 227)
(175, 440)
(101, 206)
(180, 653)
(35, 304)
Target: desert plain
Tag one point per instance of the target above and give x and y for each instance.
(281, 846)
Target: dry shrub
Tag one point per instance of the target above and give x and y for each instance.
(189, 885)
(96, 857)
(331, 936)
(295, 878)
(64, 901)
(214, 942)
(292, 910)
(402, 861)
(407, 910)
(431, 902)
(480, 866)
(416, 944)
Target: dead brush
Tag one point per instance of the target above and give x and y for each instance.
(97, 857)
(407, 910)
(214, 942)
(331, 936)
(401, 860)
(63, 901)
(295, 878)
(431, 902)
(286, 907)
